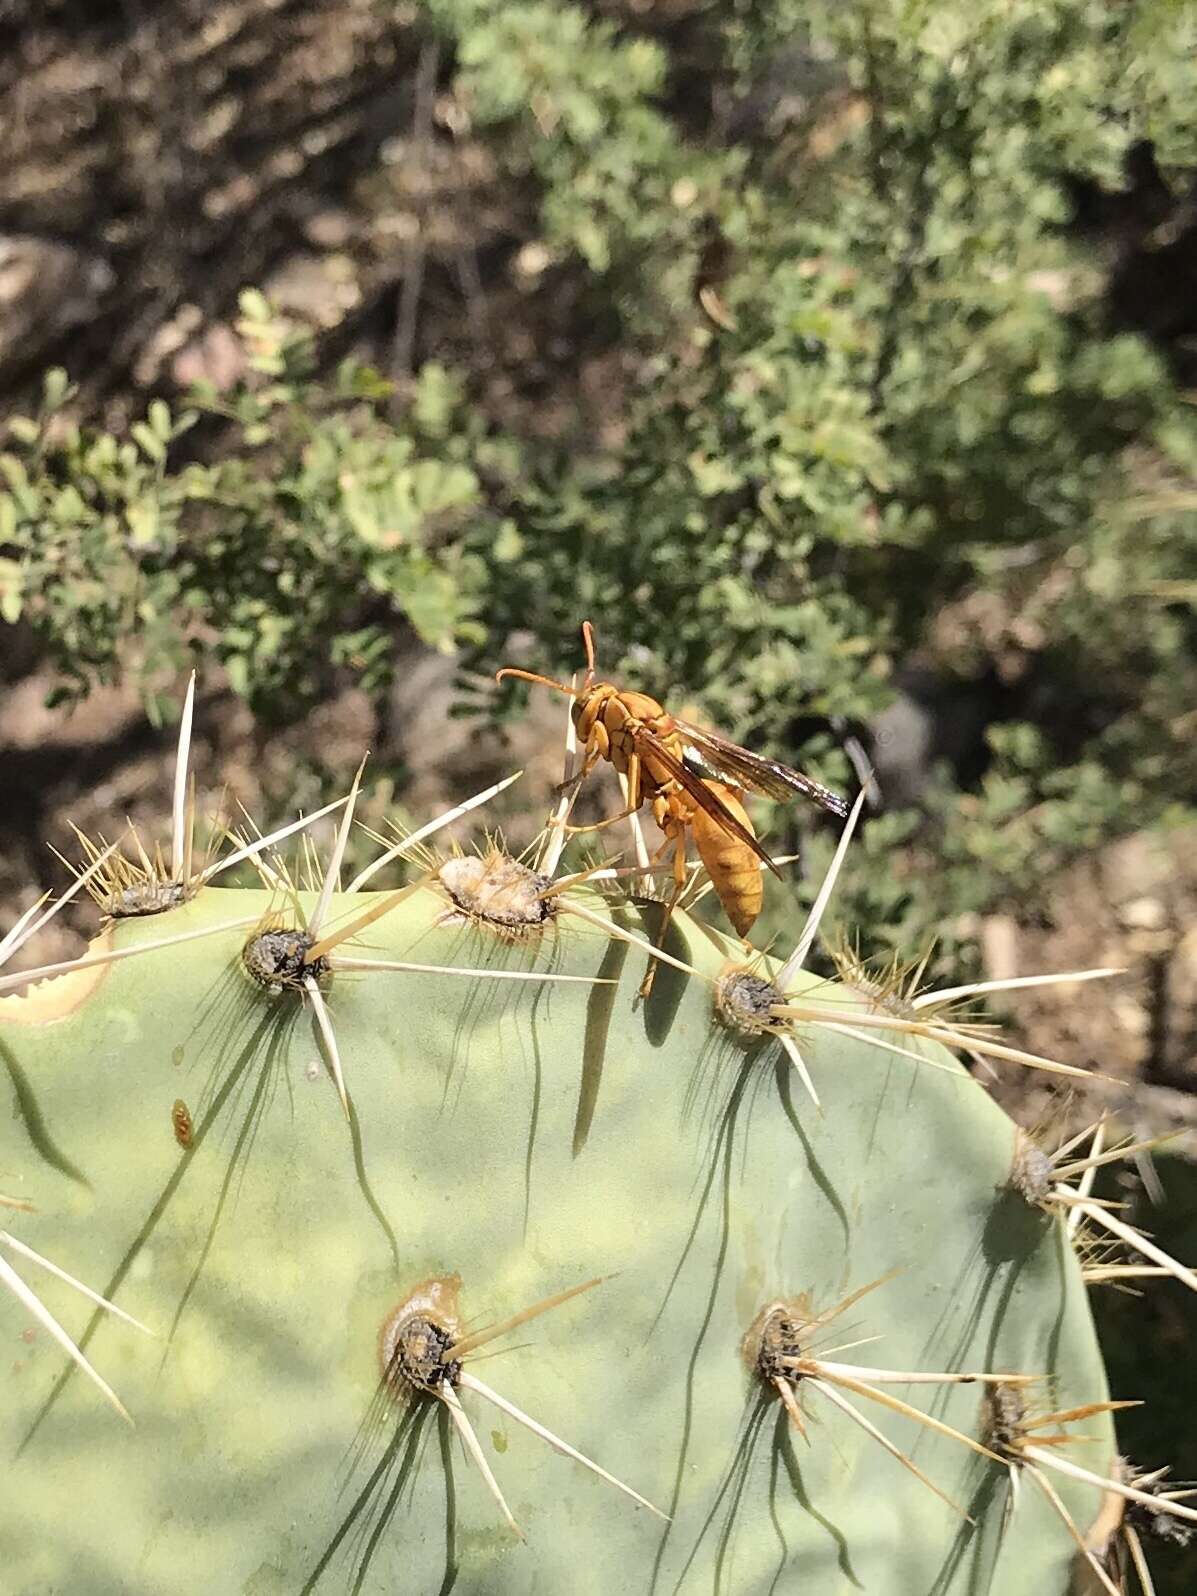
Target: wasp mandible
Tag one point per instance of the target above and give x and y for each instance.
(656, 753)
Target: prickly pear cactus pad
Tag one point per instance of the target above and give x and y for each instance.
(317, 1410)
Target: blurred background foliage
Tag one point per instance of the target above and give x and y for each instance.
(838, 362)
(871, 421)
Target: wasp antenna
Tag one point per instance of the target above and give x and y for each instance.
(532, 676)
(588, 644)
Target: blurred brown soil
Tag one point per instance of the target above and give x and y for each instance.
(158, 158)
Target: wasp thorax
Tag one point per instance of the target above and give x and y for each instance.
(1005, 1413)
(745, 1001)
(773, 1342)
(498, 892)
(276, 958)
(417, 1337)
(1032, 1173)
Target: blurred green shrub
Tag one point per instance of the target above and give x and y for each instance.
(293, 551)
(875, 414)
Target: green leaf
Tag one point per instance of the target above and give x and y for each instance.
(159, 419)
(24, 430)
(11, 591)
(151, 443)
(56, 388)
(144, 519)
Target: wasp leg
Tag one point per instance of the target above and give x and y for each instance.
(595, 752)
(599, 825)
(678, 830)
(634, 796)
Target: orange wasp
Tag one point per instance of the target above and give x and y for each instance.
(650, 748)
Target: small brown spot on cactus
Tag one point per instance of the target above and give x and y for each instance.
(497, 893)
(180, 1119)
(275, 958)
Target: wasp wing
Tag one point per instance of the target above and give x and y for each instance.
(648, 742)
(758, 774)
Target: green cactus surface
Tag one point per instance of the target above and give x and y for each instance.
(173, 1122)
